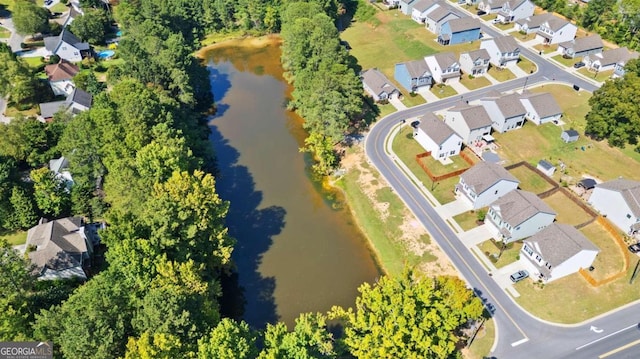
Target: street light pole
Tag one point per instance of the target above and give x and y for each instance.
(525, 83)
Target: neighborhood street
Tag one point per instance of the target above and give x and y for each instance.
(519, 335)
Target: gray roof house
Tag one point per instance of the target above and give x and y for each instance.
(484, 183)
(557, 251)
(614, 59)
(556, 30)
(546, 167)
(531, 24)
(60, 166)
(444, 67)
(436, 137)
(506, 111)
(569, 136)
(475, 63)
(581, 46)
(503, 50)
(519, 214)
(437, 17)
(541, 107)
(413, 75)
(472, 123)
(77, 101)
(67, 46)
(619, 201)
(378, 85)
(491, 6)
(61, 248)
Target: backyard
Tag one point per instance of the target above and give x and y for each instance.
(530, 180)
(567, 210)
(14, 238)
(609, 261)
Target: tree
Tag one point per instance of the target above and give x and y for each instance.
(51, 193)
(309, 339)
(16, 283)
(29, 18)
(23, 215)
(408, 317)
(90, 26)
(229, 340)
(158, 345)
(88, 81)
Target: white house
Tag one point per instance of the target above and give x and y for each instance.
(491, 6)
(514, 10)
(581, 46)
(506, 111)
(475, 63)
(444, 67)
(531, 24)
(619, 201)
(436, 137)
(503, 50)
(67, 46)
(378, 85)
(422, 8)
(472, 123)
(60, 167)
(439, 16)
(541, 107)
(60, 77)
(484, 183)
(614, 59)
(519, 214)
(406, 6)
(569, 135)
(557, 251)
(556, 30)
(77, 101)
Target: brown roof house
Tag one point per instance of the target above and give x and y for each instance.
(557, 251)
(436, 137)
(60, 77)
(484, 183)
(61, 249)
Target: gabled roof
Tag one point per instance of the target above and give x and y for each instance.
(423, 5)
(440, 13)
(571, 133)
(61, 71)
(509, 105)
(559, 242)
(48, 109)
(483, 175)
(52, 43)
(445, 60)
(617, 56)
(377, 82)
(518, 206)
(544, 103)
(463, 24)
(474, 116)
(535, 20)
(630, 191)
(586, 43)
(58, 164)
(435, 128)
(80, 97)
(417, 68)
(505, 43)
(545, 164)
(481, 54)
(494, 4)
(58, 244)
(514, 4)
(556, 23)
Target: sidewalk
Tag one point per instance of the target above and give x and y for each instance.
(428, 95)
(460, 88)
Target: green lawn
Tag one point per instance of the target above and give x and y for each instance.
(385, 109)
(508, 26)
(609, 261)
(4, 33)
(567, 210)
(413, 99)
(565, 62)
(14, 238)
(438, 169)
(58, 7)
(474, 83)
(509, 255)
(523, 37)
(33, 62)
(483, 342)
(501, 75)
(526, 65)
(443, 91)
(545, 48)
(598, 76)
(467, 220)
(529, 180)
(8, 4)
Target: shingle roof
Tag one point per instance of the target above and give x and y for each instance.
(617, 56)
(58, 164)
(48, 109)
(544, 103)
(61, 71)
(559, 242)
(483, 175)
(440, 13)
(378, 82)
(505, 43)
(417, 68)
(571, 133)
(445, 59)
(586, 43)
(495, 3)
(463, 24)
(59, 244)
(435, 128)
(80, 97)
(474, 116)
(556, 23)
(510, 105)
(423, 5)
(535, 21)
(518, 206)
(51, 43)
(630, 191)
(546, 165)
(479, 54)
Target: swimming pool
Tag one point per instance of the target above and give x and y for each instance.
(102, 55)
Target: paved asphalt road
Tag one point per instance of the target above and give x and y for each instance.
(519, 335)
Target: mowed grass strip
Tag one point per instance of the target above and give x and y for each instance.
(509, 255)
(467, 220)
(501, 75)
(529, 180)
(567, 210)
(474, 83)
(610, 260)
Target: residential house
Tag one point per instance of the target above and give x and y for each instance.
(491, 6)
(472, 123)
(77, 101)
(581, 46)
(484, 183)
(541, 107)
(413, 75)
(546, 167)
(378, 85)
(503, 50)
(67, 46)
(514, 10)
(439, 16)
(422, 8)
(619, 201)
(556, 30)
(436, 137)
(569, 136)
(519, 214)
(475, 63)
(74, 12)
(444, 67)
(60, 77)
(406, 6)
(456, 31)
(557, 251)
(60, 166)
(531, 24)
(60, 249)
(506, 111)
(611, 59)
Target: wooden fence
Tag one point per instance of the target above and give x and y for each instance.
(625, 255)
(436, 178)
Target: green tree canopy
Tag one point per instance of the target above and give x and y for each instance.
(51, 193)
(90, 26)
(29, 18)
(229, 340)
(308, 340)
(16, 283)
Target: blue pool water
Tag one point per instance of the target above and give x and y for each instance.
(105, 54)
(119, 33)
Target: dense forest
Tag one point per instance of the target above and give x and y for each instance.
(141, 159)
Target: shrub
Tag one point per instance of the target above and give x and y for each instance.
(481, 215)
(53, 59)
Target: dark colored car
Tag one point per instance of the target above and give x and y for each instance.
(480, 13)
(634, 248)
(519, 275)
(578, 65)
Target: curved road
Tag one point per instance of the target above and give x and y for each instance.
(519, 335)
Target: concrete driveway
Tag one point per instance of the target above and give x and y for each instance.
(3, 108)
(16, 39)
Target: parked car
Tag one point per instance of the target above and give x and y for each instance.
(480, 13)
(634, 248)
(519, 275)
(48, 2)
(495, 21)
(578, 64)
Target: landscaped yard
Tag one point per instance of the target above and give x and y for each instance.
(565, 62)
(609, 261)
(438, 169)
(443, 91)
(523, 37)
(509, 255)
(546, 49)
(467, 220)
(501, 74)
(14, 238)
(526, 65)
(33, 62)
(529, 180)
(598, 76)
(567, 210)
(474, 83)
(413, 99)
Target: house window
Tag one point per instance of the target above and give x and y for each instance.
(548, 265)
(452, 153)
(538, 258)
(496, 192)
(628, 216)
(528, 250)
(442, 155)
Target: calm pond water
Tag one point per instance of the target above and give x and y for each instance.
(295, 252)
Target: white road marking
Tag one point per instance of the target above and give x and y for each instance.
(606, 336)
(522, 341)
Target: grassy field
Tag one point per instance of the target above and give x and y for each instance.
(529, 180)
(598, 76)
(509, 255)
(474, 83)
(14, 238)
(501, 75)
(467, 220)
(443, 91)
(567, 210)
(609, 261)
(527, 66)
